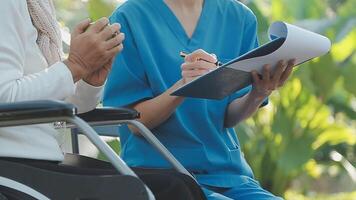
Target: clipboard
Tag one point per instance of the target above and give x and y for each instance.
(286, 42)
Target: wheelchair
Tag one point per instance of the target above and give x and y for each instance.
(38, 182)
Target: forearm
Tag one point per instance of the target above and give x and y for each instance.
(243, 108)
(157, 110)
(53, 83)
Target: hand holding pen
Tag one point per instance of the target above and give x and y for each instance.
(197, 64)
(217, 63)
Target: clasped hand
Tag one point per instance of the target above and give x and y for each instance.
(93, 48)
(200, 62)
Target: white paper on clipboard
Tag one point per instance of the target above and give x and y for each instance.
(299, 43)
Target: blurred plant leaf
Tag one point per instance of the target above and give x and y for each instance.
(335, 134)
(297, 154)
(99, 8)
(115, 145)
(346, 47)
(341, 105)
(349, 73)
(324, 75)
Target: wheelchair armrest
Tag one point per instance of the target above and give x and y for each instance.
(28, 110)
(109, 114)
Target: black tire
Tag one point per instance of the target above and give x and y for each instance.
(2, 197)
(11, 194)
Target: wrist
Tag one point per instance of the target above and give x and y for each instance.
(94, 83)
(74, 69)
(177, 85)
(258, 96)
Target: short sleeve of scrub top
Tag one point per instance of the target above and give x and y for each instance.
(127, 82)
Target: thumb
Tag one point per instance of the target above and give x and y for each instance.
(81, 27)
(214, 55)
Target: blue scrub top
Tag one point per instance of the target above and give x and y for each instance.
(150, 64)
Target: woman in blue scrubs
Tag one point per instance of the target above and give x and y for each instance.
(198, 132)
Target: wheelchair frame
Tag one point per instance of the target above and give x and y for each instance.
(67, 113)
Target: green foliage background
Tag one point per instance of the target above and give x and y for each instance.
(313, 115)
(308, 132)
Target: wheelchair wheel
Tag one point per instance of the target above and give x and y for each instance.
(2, 197)
(11, 194)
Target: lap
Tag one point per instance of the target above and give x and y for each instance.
(168, 184)
(214, 195)
(165, 184)
(246, 191)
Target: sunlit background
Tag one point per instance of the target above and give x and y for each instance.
(302, 146)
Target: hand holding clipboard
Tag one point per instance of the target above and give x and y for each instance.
(287, 42)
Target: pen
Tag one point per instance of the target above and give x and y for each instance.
(184, 54)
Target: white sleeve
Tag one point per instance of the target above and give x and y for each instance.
(86, 96)
(55, 83)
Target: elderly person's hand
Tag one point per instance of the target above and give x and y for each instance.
(98, 77)
(93, 47)
(264, 85)
(197, 64)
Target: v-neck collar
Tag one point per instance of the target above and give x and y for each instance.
(177, 28)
